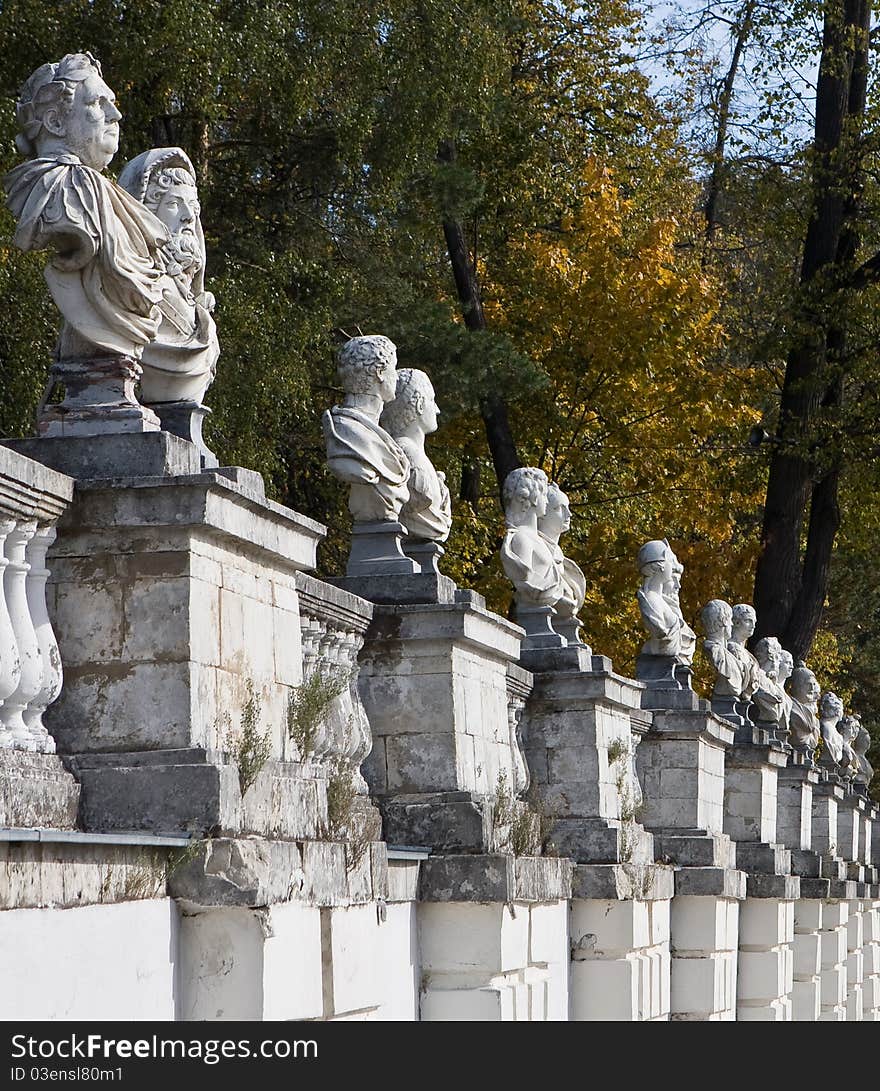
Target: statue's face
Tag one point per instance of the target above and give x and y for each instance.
(832, 706)
(388, 382)
(557, 518)
(745, 623)
(786, 665)
(179, 210)
(806, 689)
(430, 413)
(91, 125)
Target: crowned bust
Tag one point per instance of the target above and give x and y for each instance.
(105, 273)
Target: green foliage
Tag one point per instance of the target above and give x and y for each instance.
(248, 747)
(308, 705)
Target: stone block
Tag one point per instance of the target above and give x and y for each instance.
(645, 881)
(605, 990)
(446, 822)
(36, 791)
(763, 975)
(807, 954)
(548, 933)
(241, 873)
(703, 987)
(352, 945)
(478, 1005)
(805, 1001)
(765, 922)
(602, 928)
(709, 881)
(121, 455)
(466, 937)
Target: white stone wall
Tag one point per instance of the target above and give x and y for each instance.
(834, 952)
(620, 960)
(765, 969)
(871, 963)
(704, 939)
(807, 948)
(855, 970)
(92, 963)
(494, 962)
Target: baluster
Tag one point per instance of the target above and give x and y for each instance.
(10, 661)
(49, 654)
(31, 680)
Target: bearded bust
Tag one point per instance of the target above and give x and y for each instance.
(179, 365)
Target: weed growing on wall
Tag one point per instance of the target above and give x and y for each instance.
(308, 705)
(249, 748)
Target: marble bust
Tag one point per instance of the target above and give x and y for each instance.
(105, 273)
(409, 417)
(717, 620)
(668, 633)
(848, 729)
(804, 718)
(359, 451)
(179, 364)
(776, 665)
(744, 620)
(528, 560)
(860, 746)
(830, 715)
(555, 521)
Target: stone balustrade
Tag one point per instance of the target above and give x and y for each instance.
(32, 498)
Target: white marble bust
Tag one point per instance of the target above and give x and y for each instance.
(555, 521)
(860, 746)
(830, 715)
(179, 364)
(775, 668)
(804, 718)
(409, 417)
(848, 728)
(743, 624)
(668, 633)
(359, 450)
(717, 620)
(105, 273)
(528, 559)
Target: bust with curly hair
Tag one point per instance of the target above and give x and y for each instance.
(409, 417)
(105, 273)
(527, 558)
(359, 451)
(555, 521)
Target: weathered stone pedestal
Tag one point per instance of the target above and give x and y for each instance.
(581, 736)
(186, 419)
(494, 938)
(765, 964)
(681, 767)
(434, 683)
(276, 930)
(189, 587)
(99, 399)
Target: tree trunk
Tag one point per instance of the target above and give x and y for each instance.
(789, 593)
(743, 30)
(493, 407)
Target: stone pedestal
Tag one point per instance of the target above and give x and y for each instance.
(494, 939)
(376, 550)
(121, 456)
(186, 419)
(99, 399)
(434, 682)
(425, 554)
(681, 767)
(826, 798)
(794, 806)
(580, 751)
(767, 915)
(620, 935)
(297, 928)
(175, 609)
(850, 820)
(537, 621)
